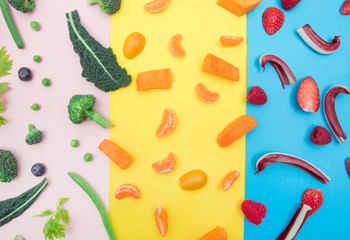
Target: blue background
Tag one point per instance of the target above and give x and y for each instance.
(284, 127)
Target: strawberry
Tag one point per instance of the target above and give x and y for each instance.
(257, 96)
(313, 197)
(253, 211)
(345, 9)
(309, 95)
(273, 19)
(320, 136)
(289, 4)
(348, 166)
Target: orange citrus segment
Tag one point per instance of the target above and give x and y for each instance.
(161, 220)
(127, 190)
(229, 179)
(175, 46)
(166, 165)
(133, 45)
(167, 124)
(205, 95)
(156, 6)
(193, 180)
(230, 41)
(217, 234)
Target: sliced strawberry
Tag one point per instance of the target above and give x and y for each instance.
(309, 95)
(253, 211)
(289, 4)
(345, 9)
(273, 19)
(313, 197)
(348, 166)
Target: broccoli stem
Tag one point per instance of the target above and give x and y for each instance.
(30, 126)
(93, 115)
(90, 2)
(10, 24)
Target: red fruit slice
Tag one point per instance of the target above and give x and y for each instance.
(253, 211)
(127, 190)
(314, 198)
(205, 95)
(309, 95)
(229, 179)
(345, 8)
(348, 166)
(161, 220)
(166, 165)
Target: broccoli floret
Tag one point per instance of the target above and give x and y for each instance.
(22, 5)
(82, 107)
(8, 166)
(107, 6)
(34, 136)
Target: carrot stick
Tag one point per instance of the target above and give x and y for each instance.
(155, 79)
(116, 153)
(215, 65)
(239, 7)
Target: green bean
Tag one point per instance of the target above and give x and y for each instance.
(10, 24)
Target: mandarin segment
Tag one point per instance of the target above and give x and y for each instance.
(216, 234)
(157, 6)
(166, 165)
(161, 220)
(230, 41)
(229, 179)
(205, 95)
(127, 190)
(175, 46)
(168, 123)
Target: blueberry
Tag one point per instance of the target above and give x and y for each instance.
(38, 169)
(25, 74)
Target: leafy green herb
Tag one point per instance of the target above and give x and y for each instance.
(53, 227)
(2, 121)
(4, 87)
(5, 63)
(2, 108)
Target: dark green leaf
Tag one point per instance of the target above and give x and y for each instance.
(5, 63)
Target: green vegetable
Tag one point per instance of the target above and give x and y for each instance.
(35, 25)
(46, 82)
(107, 6)
(3, 88)
(22, 5)
(34, 136)
(10, 24)
(87, 157)
(97, 201)
(5, 63)
(19, 237)
(37, 58)
(53, 227)
(14, 207)
(8, 167)
(74, 143)
(2, 108)
(99, 64)
(82, 107)
(2, 121)
(35, 107)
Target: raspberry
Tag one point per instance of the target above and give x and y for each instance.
(253, 211)
(257, 96)
(320, 136)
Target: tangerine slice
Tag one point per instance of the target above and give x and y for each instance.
(229, 179)
(217, 234)
(127, 190)
(230, 41)
(167, 124)
(166, 165)
(175, 46)
(156, 6)
(205, 95)
(161, 220)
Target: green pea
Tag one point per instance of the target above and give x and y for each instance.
(87, 157)
(46, 82)
(37, 58)
(74, 143)
(19, 237)
(35, 107)
(35, 25)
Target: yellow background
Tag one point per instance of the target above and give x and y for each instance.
(137, 115)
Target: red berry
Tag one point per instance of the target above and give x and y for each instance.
(348, 166)
(253, 211)
(309, 95)
(257, 96)
(273, 19)
(313, 197)
(345, 9)
(289, 4)
(320, 136)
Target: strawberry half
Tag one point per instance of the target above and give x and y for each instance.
(257, 96)
(273, 19)
(289, 4)
(309, 95)
(253, 211)
(345, 8)
(348, 166)
(313, 197)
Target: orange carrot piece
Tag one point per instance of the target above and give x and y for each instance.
(239, 7)
(229, 179)
(161, 220)
(155, 79)
(230, 41)
(217, 234)
(236, 129)
(116, 153)
(218, 66)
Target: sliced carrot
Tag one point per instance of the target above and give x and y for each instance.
(134, 44)
(175, 46)
(205, 95)
(156, 6)
(167, 124)
(217, 234)
(218, 66)
(230, 41)
(239, 7)
(166, 165)
(161, 220)
(116, 153)
(155, 79)
(236, 129)
(127, 190)
(229, 179)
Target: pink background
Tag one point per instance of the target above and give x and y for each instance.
(61, 65)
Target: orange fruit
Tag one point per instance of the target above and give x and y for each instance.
(217, 234)
(127, 190)
(134, 44)
(156, 6)
(230, 41)
(166, 165)
(229, 179)
(161, 220)
(175, 46)
(167, 124)
(193, 180)
(205, 95)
